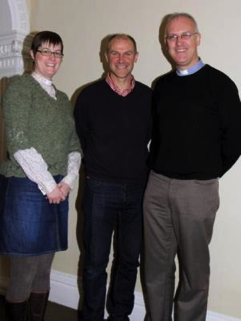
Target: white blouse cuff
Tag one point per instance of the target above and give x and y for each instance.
(36, 169)
(74, 161)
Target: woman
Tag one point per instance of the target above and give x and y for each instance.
(44, 160)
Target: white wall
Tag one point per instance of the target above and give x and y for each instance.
(5, 18)
(83, 24)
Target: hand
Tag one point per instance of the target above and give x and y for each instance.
(56, 196)
(65, 188)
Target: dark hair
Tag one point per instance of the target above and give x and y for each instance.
(121, 36)
(46, 37)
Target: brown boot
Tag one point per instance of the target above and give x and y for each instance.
(16, 311)
(37, 306)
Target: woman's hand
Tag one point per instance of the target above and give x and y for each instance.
(56, 196)
(65, 188)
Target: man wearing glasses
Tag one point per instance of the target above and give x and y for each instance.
(196, 140)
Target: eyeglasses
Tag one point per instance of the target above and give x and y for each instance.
(183, 36)
(48, 53)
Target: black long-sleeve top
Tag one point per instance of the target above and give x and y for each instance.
(197, 125)
(114, 132)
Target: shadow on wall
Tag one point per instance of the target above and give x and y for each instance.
(103, 47)
(15, 50)
(164, 50)
(80, 218)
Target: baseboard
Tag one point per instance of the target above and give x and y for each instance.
(64, 290)
(213, 316)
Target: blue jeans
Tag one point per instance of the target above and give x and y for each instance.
(108, 208)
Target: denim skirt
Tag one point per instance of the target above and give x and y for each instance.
(29, 225)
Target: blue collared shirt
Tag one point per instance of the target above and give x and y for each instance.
(191, 70)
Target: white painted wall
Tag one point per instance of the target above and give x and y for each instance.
(83, 24)
(5, 17)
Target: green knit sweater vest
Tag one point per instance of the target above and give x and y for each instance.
(34, 119)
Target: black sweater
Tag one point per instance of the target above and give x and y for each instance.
(114, 132)
(197, 125)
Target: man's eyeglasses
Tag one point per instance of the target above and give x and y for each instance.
(183, 36)
(48, 53)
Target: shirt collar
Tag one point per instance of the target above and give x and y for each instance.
(191, 70)
(42, 80)
(45, 83)
(116, 89)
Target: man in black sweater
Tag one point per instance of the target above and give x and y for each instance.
(196, 139)
(113, 121)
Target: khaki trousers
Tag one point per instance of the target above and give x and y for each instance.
(178, 220)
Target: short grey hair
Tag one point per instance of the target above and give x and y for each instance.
(178, 15)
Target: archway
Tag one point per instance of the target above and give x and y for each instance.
(14, 26)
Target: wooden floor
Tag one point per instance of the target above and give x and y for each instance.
(55, 312)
